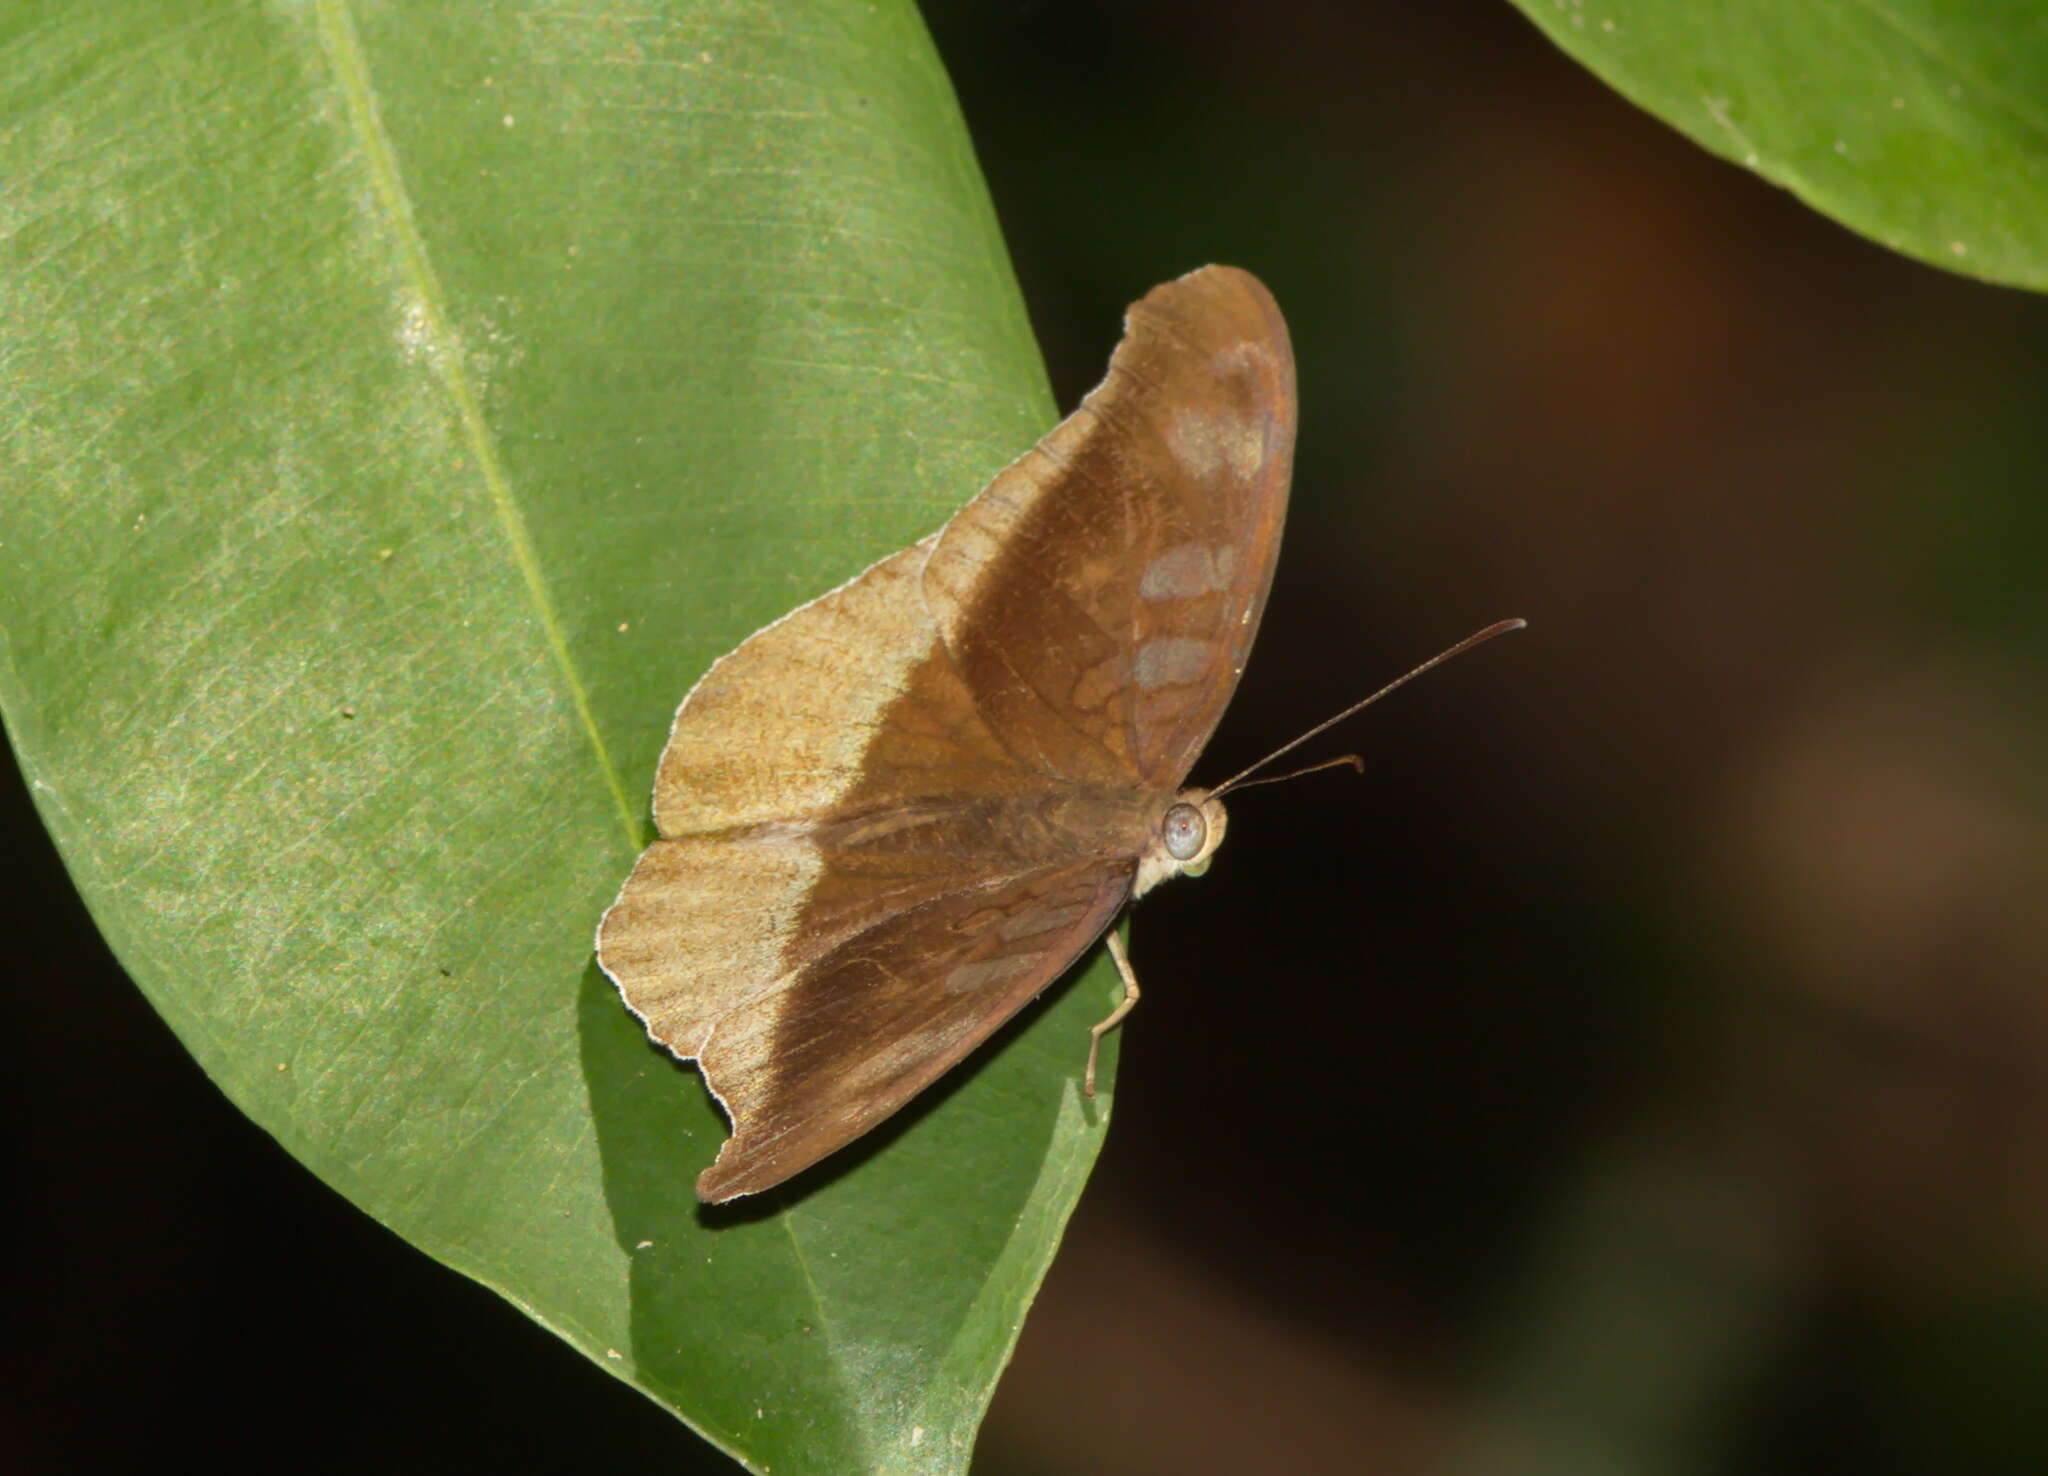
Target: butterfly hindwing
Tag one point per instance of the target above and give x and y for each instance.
(851, 870)
(865, 1024)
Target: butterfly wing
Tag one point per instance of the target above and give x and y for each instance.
(891, 818)
(866, 1022)
(855, 882)
(1101, 596)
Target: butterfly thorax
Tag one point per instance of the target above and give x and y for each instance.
(1185, 837)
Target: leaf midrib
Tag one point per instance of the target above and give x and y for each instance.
(338, 39)
(351, 71)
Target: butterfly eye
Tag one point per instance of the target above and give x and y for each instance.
(1184, 831)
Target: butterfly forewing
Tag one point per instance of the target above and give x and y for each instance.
(1102, 594)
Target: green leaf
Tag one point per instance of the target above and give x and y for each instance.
(402, 405)
(1922, 124)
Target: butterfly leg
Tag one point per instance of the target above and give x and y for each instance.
(1116, 1016)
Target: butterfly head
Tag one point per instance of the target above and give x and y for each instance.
(1189, 831)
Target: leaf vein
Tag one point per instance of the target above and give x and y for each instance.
(352, 74)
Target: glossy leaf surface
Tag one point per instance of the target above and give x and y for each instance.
(402, 405)
(1922, 124)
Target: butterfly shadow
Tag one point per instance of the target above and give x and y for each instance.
(657, 1127)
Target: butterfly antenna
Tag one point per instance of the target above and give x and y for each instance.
(1352, 759)
(1499, 627)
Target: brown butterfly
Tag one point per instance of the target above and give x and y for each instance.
(894, 816)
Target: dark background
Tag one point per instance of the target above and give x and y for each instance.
(1638, 1071)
